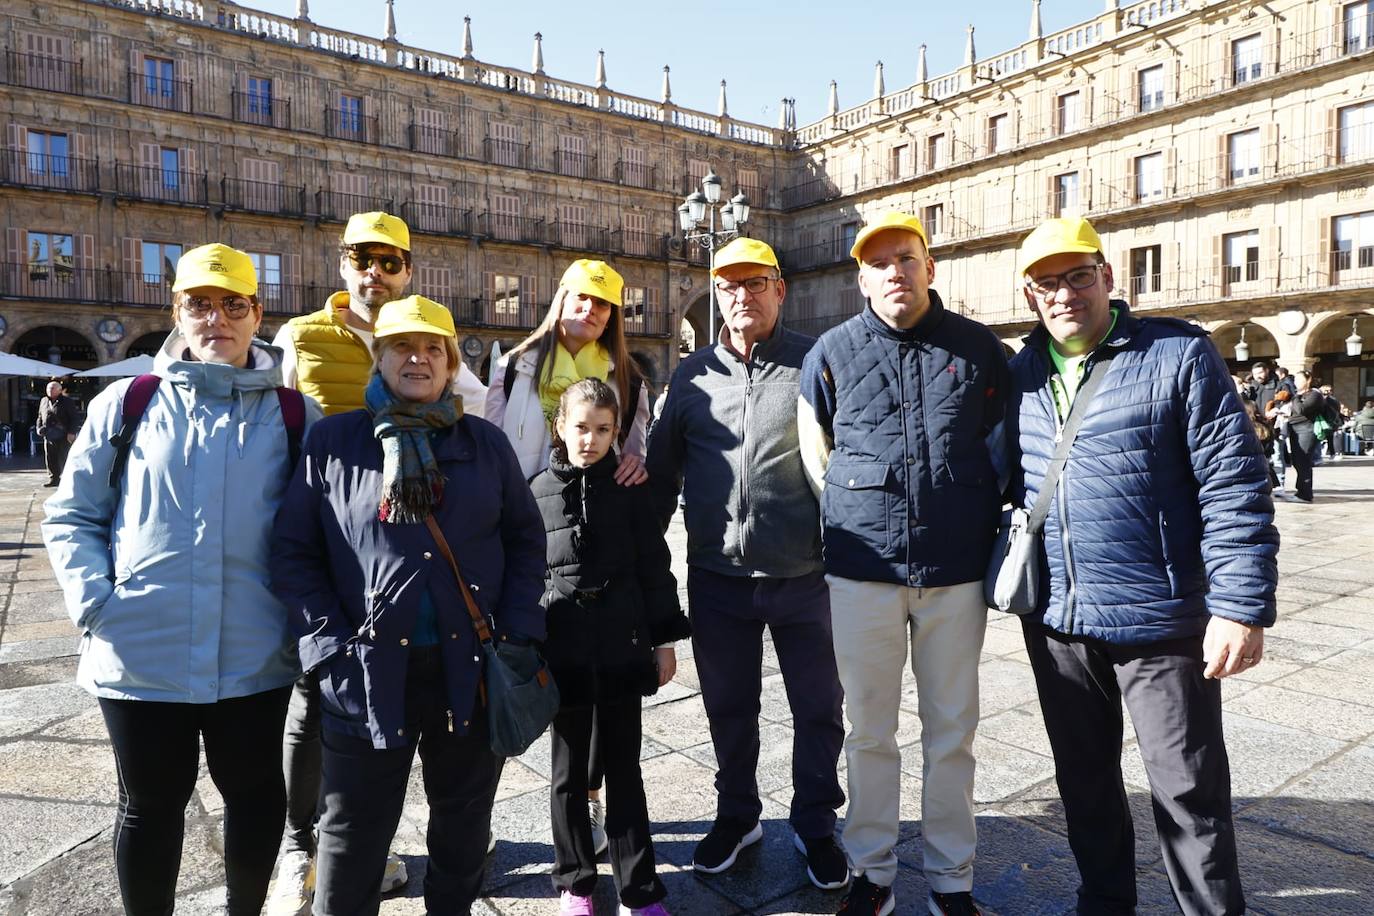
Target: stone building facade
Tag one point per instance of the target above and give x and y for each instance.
(1224, 148)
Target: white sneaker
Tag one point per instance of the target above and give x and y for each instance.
(395, 874)
(294, 887)
(598, 817)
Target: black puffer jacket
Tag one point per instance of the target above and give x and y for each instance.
(608, 591)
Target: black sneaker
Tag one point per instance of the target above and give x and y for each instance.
(959, 903)
(826, 865)
(717, 850)
(868, 899)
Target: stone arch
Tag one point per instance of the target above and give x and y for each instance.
(147, 343)
(1351, 377)
(697, 317)
(1261, 339)
(36, 339)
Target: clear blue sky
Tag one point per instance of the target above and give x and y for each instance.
(764, 50)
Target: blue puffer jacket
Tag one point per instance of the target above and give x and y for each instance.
(911, 496)
(1162, 516)
(352, 584)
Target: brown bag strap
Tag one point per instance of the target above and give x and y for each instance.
(479, 623)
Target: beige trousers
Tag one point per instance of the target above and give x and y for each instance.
(872, 622)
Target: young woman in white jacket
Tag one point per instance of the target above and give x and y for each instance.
(582, 336)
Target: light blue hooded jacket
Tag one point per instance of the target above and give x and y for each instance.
(166, 576)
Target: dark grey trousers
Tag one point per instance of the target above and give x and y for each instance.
(1177, 719)
(728, 615)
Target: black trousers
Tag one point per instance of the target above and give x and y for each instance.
(1177, 719)
(1302, 451)
(301, 764)
(728, 616)
(55, 457)
(364, 790)
(157, 751)
(616, 736)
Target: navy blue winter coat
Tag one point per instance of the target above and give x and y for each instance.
(1162, 517)
(352, 584)
(911, 495)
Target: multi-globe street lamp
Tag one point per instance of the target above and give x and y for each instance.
(697, 217)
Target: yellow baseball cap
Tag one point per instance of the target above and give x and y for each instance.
(411, 314)
(594, 278)
(219, 266)
(1063, 235)
(745, 251)
(893, 219)
(379, 227)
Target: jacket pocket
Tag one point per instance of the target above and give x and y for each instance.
(856, 504)
(343, 693)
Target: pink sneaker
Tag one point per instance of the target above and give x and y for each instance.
(653, 909)
(570, 904)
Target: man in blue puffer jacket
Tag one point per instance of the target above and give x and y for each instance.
(1160, 554)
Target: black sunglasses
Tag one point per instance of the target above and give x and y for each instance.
(390, 264)
(231, 306)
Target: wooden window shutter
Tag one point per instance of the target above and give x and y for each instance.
(1325, 256)
(150, 155)
(187, 159)
(1132, 164)
(86, 252)
(18, 139)
(1223, 161)
(1269, 155)
(1270, 252)
(1218, 262)
(81, 146)
(1171, 171)
(488, 286)
(132, 261)
(1333, 136)
(16, 248)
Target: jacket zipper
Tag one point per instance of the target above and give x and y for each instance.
(1061, 497)
(450, 720)
(744, 463)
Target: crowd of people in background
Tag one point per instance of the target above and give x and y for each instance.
(291, 552)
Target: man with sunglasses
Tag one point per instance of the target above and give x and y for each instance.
(898, 402)
(328, 356)
(1161, 554)
(727, 440)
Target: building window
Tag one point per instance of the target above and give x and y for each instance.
(1150, 87)
(260, 99)
(503, 146)
(350, 116)
(50, 255)
(697, 169)
(433, 282)
(937, 152)
(899, 162)
(634, 166)
(1356, 132)
(47, 154)
(1066, 194)
(933, 219)
(268, 267)
(169, 168)
(159, 262)
(636, 232)
(1149, 177)
(1145, 274)
(505, 216)
(505, 295)
(572, 156)
(572, 225)
(633, 309)
(999, 136)
(1247, 59)
(159, 82)
(1241, 250)
(845, 239)
(1243, 155)
(1069, 112)
(748, 182)
(1354, 241)
(1359, 26)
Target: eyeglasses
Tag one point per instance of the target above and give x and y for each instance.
(389, 263)
(1078, 278)
(753, 285)
(231, 306)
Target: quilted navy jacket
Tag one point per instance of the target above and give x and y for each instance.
(1162, 517)
(911, 496)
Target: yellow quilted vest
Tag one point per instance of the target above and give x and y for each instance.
(332, 364)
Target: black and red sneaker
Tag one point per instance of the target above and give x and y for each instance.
(959, 903)
(868, 899)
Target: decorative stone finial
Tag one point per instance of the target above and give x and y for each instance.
(467, 37)
(723, 111)
(390, 20)
(303, 10)
(834, 99)
(922, 73)
(970, 56)
(879, 90)
(1036, 33)
(537, 62)
(667, 89)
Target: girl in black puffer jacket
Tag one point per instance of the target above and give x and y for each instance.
(613, 614)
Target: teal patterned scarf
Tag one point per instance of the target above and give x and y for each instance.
(411, 483)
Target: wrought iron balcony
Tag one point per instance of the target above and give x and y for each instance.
(506, 152)
(435, 140)
(437, 219)
(41, 71)
(340, 206)
(36, 170)
(636, 175)
(174, 186)
(263, 197)
(160, 92)
(346, 125)
(266, 110)
(512, 228)
(55, 282)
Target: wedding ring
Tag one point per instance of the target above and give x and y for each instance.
(1248, 660)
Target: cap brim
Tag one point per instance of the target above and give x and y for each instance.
(1082, 248)
(369, 237)
(409, 327)
(865, 234)
(589, 290)
(217, 281)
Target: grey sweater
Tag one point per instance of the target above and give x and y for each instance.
(727, 440)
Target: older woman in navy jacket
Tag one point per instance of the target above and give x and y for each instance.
(380, 617)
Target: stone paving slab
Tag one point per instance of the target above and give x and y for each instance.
(1299, 727)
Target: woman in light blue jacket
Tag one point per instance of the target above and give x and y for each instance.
(163, 566)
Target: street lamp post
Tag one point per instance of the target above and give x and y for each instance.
(700, 207)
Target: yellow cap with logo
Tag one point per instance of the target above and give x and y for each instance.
(413, 314)
(219, 266)
(893, 219)
(1063, 235)
(745, 251)
(594, 278)
(378, 227)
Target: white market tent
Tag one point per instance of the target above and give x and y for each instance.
(125, 368)
(13, 364)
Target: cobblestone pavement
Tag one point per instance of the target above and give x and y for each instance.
(1298, 726)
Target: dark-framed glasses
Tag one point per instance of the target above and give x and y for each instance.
(231, 306)
(753, 285)
(1078, 278)
(391, 264)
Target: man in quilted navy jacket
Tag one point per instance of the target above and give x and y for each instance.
(1160, 565)
(897, 404)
